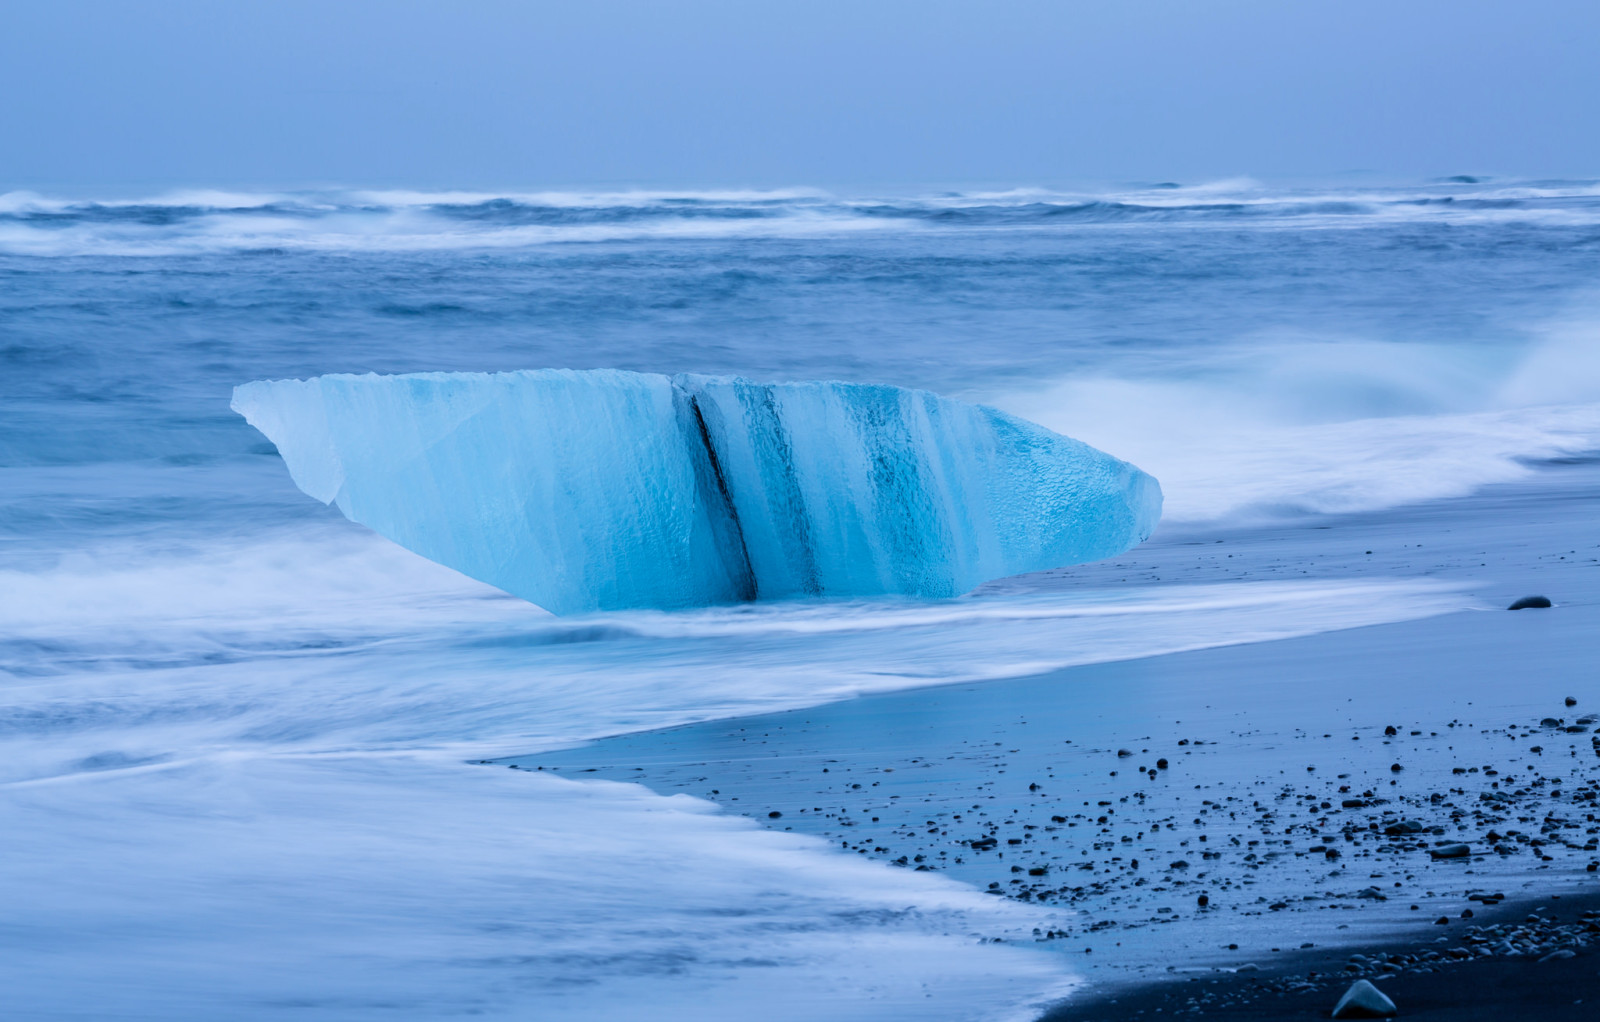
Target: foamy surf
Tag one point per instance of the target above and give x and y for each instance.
(221, 694)
(193, 222)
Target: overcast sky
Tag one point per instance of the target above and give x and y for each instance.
(701, 93)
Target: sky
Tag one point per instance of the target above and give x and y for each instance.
(730, 93)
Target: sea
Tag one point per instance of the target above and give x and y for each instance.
(246, 743)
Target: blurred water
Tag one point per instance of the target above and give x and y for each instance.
(215, 694)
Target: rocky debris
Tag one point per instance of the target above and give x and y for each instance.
(1363, 1000)
(1314, 842)
(1531, 603)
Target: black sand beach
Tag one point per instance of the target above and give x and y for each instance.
(1281, 803)
(1463, 977)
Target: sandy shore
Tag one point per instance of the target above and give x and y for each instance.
(1475, 972)
(1243, 804)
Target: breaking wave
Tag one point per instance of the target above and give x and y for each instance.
(192, 222)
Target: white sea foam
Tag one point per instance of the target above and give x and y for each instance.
(233, 775)
(338, 887)
(633, 198)
(405, 229)
(421, 221)
(239, 772)
(1331, 427)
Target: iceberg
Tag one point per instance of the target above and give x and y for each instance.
(604, 490)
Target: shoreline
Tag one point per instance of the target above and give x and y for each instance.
(1468, 974)
(1236, 762)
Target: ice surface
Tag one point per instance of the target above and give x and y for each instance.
(603, 490)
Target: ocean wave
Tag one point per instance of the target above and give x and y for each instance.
(1338, 427)
(185, 222)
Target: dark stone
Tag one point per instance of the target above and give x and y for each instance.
(774, 815)
(1531, 603)
(1161, 764)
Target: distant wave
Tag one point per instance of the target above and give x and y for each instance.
(183, 222)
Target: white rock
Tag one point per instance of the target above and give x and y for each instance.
(1363, 1000)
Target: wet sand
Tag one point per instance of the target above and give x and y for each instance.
(1252, 803)
(1463, 977)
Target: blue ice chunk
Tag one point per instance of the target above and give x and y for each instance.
(573, 490)
(602, 489)
(855, 490)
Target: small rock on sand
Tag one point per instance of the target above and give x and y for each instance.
(1451, 851)
(1531, 603)
(1363, 1000)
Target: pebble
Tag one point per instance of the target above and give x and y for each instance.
(1531, 603)
(1047, 856)
(1363, 1000)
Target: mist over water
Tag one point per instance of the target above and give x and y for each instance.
(203, 663)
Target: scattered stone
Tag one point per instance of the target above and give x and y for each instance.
(1363, 1000)
(1161, 764)
(1558, 955)
(1531, 603)
(1124, 753)
(1571, 701)
(1451, 851)
(774, 815)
